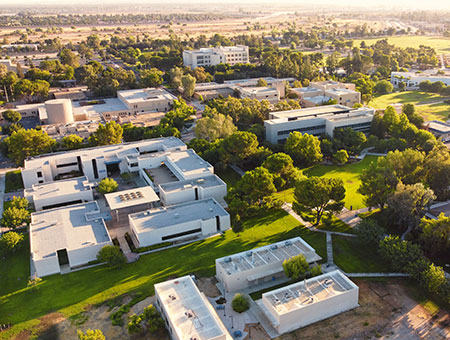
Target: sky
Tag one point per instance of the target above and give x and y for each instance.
(406, 4)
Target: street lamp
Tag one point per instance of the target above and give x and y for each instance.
(232, 326)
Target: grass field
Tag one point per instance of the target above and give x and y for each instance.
(71, 293)
(437, 111)
(349, 173)
(440, 44)
(413, 97)
(13, 181)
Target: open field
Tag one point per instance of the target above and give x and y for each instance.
(440, 44)
(412, 97)
(70, 294)
(349, 174)
(437, 111)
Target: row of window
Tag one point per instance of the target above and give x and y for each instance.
(304, 129)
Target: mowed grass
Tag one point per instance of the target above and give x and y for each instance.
(412, 97)
(13, 181)
(71, 293)
(440, 44)
(349, 174)
(437, 111)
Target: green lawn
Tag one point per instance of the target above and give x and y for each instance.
(353, 257)
(71, 293)
(440, 44)
(413, 97)
(349, 173)
(13, 181)
(437, 111)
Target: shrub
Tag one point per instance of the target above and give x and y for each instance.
(295, 267)
(240, 303)
(95, 334)
(11, 241)
(315, 271)
(134, 323)
(107, 185)
(112, 256)
(369, 232)
(14, 217)
(237, 224)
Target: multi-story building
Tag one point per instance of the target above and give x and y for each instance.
(187, 312)
(216, 55)
(319, 93)
(64, 238)
(305, 302)
(413, 79)
(316, 121)
(261, 265)
(271, 94)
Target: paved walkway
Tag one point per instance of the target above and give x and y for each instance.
(377, 275)
(329, 249)
(238, 170)
(351, 217)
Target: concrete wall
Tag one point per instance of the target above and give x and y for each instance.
(186, 195)
(78, 257)
(84, 196)
(47, 266)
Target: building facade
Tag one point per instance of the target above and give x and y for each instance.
(413, 79)
(205, 57)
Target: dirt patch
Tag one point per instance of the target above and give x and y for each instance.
(386, 311)
(207, 285)
(255, 331)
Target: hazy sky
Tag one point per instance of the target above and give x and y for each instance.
(407, 4)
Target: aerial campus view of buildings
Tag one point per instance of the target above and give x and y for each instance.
(169, 196)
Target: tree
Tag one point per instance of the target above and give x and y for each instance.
(239, 146)
(240, 303)
(110, 133)
(281, 166)
(27, 143)
(437, 170)
(383, 87)
(134, 323)
(407, 205)
(340, 157)
(153, 319)
(435, 236)
(19, 203)
(107, 185)
(349, 140)
(151, 78)
(12, 116)
(188, 83)
(90, 334)
(256, 184)
(72, 142)
(11, 241)
(175, 75)
(14, 217)
(399, 253)
(261, 82)
(320, 195)
(304, 149)
(112, 256)
(369, 232)
(214, 127)
(295, 267)
(178, 115)
(67, 57)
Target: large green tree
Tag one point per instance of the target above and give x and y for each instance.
(188, 83)
(151, 78)
(281, 166)
(319, 195)
(12, 116)
(435, 236)
(72, 142)
(239, 146)
(303, 148)
(110, 133)
(214, 127)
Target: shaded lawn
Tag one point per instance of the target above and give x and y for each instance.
(13, 181)
(354, 257)
(71, 293)
(413, 97)
(349, 174)
(229, 176)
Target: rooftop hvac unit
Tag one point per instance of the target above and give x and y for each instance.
(201, 180)
(274, 247)
(287, 243)
(249, 253)
(227, 259)
(177, 215)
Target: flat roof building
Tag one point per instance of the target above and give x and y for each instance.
(187, 311)
(94, 163)
(412, 79)
(211, 56)
(178, 222)
(439, 129)
(259, 265)
(193, 190)
(67, 237)
(58, 194)
(309, 301)
(271, 94)
(317, 121)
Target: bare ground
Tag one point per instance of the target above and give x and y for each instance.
(386, 312)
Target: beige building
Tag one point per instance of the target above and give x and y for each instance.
(270, 94)
(216, 55)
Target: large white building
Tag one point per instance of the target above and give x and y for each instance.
(264, 264)
(317, 121)
(58, 194)
(319, 93)
(216, 55)
(309, 301)
(178, 222)
(95, 163)
(67, 237)
(187, 312)
(413, 79)
(193, 190)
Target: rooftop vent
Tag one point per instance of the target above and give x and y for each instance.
(227, 259)
(274, 247)
(177, 215)
(249, 253)
(287, 243)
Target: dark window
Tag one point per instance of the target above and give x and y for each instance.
(193, 231)
(41, 181)
(94, 166)
(52, 206)
(39, 173)
(66, 164)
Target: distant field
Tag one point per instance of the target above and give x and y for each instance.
(437, 111)
(440, 44)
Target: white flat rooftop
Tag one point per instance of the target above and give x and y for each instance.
(342, 91)
(311, 111)
(204, 182)
(131, 197)
(189, 311)
(58, 188)
(438, 126)
(145, 95)
(72, 227)
(305, 293)
(260, 257)
(258, 90)
(111, 104)
(176, 214)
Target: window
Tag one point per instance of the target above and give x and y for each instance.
(39, 173)
(193, 231)
(66, 165)
(41, 181)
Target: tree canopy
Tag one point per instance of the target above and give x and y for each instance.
(303, 148)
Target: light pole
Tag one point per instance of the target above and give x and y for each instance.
(232, 326)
